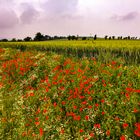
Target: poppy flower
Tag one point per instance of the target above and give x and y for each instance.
(137, 132)
(122, 137)
(81, 130)
(41, 132)
(125, 125)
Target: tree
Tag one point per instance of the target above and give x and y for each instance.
(39, 37)
(13, 40)
(84, 38)
(4, 40)
(27, 38)
(95, 37)
(113, 37)
(69, 37)
(106, 37)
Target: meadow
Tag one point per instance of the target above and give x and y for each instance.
(70, 90)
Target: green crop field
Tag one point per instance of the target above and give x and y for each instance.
(70, 90)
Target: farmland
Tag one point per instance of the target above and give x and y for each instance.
(81, 90)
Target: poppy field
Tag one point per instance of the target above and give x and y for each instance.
(69, 93)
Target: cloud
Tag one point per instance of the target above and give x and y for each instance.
(8, 18)
(128, 16)
(29, 13)
(60, 7)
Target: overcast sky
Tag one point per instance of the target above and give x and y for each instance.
(21, 18)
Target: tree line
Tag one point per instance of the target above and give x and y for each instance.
(40, 37)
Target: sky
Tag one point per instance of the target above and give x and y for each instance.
(21, 18)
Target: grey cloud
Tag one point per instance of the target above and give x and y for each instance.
(129, 16)
(29, 14)
(8, 18)
(60, 7)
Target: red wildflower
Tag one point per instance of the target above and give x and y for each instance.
(31, 94)
(125, 125)
(62, 131)
(44, 111)
(47, 89)
(84, 103)
(108, 132)
(129, 89)
(47, 117)
(96, 105)
(37, 123)
(102, 100)
(135, 110)
(89, 106)
(41, 132)
(77, 118)
(87, 117)
(91, 134)
(54, 104)
(81, 130)
(127, 96)
(137, 125)
(74, 107)
(81, 109)
(63, 102)
(36, 119)
(103, 113)
(137, 91)
(137, 132)
(97, 126)
(122, 137)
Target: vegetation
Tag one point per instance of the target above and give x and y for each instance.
(81, 90)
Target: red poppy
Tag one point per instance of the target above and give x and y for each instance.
(103, 113)
(97, 125)
(91, 134)
(137, 132)
(122, 137)
(87, 117)
(77, 118)
(62, 131)
(74, 107)
(135, 110)
(54, 104)
(96, 105)
(41, 132)
(63, 102)
(47, 117)
(102, 100)
(137, 125)
(108, 132)
(37, 123)
(81, 130)
(125, 125)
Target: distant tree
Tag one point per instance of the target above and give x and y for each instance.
(84, 38)
(19, 40)
(73, 37)
(13, 40)
(27, 38)
(110, 38)
(4, 40)
(128, 37)
(69, 37)
(113, 37)
(47, 37)
(106, 37)
(39, 37)
(95, 37)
